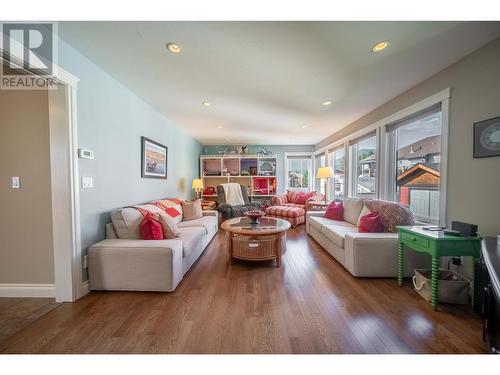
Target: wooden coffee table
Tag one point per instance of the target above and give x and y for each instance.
(265, 240)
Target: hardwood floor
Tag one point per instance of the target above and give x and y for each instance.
(309, 305)
(17, 313)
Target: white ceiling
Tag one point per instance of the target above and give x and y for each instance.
(265, 80)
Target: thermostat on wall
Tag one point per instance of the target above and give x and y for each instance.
(85, 154)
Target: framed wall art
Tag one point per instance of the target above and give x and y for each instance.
(154, 159)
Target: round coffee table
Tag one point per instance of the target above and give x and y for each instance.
(265, 240)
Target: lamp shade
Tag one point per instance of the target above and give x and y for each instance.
(197, 184)
(324, 172)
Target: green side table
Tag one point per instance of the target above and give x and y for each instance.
(436, 244)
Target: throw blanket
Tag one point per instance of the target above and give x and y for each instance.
(233, 194)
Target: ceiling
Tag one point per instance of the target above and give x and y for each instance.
(265, 81)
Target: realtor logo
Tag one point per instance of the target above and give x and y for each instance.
(28, 52)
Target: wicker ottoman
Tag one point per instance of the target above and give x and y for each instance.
(294, 215)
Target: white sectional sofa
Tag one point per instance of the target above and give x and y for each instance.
(125, 262)
(362, 254)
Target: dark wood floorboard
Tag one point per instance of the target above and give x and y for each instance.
(309, 305)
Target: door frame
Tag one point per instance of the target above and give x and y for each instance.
(67, 249)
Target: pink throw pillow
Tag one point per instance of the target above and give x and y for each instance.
(335, 211)
(371, 223)
(302, 197)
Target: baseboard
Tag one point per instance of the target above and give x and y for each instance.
(85, 289)
(28, 290)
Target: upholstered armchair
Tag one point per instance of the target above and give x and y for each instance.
(227, 211)
(290, 199)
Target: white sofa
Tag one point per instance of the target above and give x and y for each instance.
(362, 254)
(129, 263)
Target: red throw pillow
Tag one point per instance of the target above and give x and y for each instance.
(150, 228)
(302, 197)
(371, 223)
(335, 211)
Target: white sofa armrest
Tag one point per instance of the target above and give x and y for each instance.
(118, 264)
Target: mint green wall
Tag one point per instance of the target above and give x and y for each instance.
(111, 121)
(278, 151)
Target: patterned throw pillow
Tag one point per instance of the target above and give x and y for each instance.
(391, 213)
(169, 225)
(172, 207)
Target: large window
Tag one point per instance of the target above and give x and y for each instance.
(337, 162)
(319, 161)
(416, 146)
(298, 172)
(363, 156)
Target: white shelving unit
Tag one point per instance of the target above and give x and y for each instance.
(257, 173)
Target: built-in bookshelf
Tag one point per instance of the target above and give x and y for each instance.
(257, 173)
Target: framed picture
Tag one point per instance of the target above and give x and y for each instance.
(487, 138)
(154, 159)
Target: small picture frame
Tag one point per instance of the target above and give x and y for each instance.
(487, 138)
(154, 158)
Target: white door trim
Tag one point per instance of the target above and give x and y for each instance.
(68, 285)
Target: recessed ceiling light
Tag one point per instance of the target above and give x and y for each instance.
(174, 48)
(219, 127)
(227, 139)
(380, 46)
(305, 126)
(328, 102)
(206, 104)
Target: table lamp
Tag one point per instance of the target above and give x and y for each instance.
(197, 186)
(325, 173)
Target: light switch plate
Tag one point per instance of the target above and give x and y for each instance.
(16, 183)
(87, 182)
(85, 154)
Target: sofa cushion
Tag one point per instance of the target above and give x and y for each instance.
(391, 213)
(206, 222)
(337, 231)
(318, 221)
(126, 220)
(352, 209)
(191, 237)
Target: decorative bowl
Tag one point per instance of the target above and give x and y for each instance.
(254, 215)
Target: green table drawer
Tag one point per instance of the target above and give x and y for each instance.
(419, 240)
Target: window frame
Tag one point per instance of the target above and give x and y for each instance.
(302, 156)
(383, 150)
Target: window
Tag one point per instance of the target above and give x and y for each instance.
(363, 157)
(416, 146)
(319, 161)
(337, 162)
(298, 171)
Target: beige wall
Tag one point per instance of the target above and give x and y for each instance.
(26, 255)
(473, 192)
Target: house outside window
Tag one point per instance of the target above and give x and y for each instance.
(416, 143)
